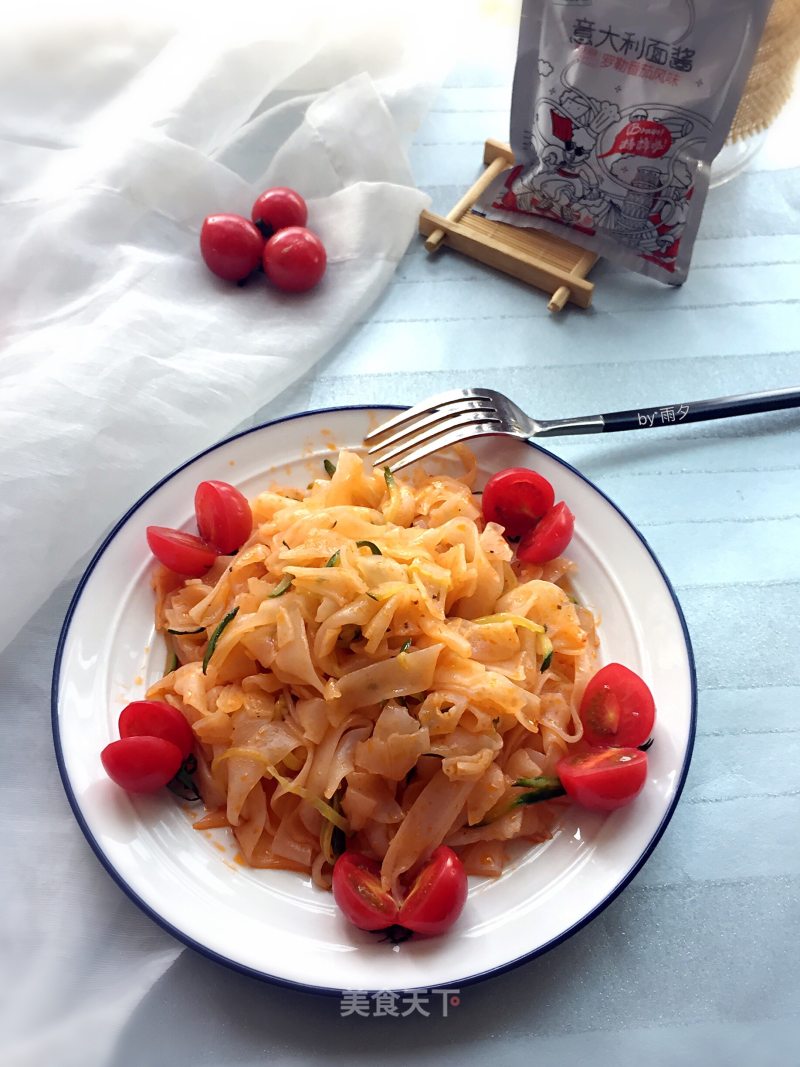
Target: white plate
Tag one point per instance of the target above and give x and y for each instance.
(275, 924)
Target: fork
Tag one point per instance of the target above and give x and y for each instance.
(462, 414)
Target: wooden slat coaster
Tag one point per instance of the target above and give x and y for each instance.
(540, 259)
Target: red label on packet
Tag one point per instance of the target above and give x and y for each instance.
(618, 110)
(645, 138)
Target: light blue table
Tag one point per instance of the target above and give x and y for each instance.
(697, 961)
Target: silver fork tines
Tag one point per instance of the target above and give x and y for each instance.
(436, 418)
(439, 422)
(440, 434)
(396, 459)
(469, 397)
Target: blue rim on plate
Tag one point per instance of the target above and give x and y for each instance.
(274, 979)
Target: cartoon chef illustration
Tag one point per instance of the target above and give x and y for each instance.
(548, 187)
(563, 177)
(577, 121)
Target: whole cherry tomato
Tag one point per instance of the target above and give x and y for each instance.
(516, 499)
(437, 895)
(604, 779)
(141, 764)
(231, 246)
(180, 552)
(154, 718)
(549, 537)
(223, 514)
(275, 209)
(617, 708)
(294, 259)
(358, 892)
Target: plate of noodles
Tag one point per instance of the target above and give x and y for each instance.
(352, 690)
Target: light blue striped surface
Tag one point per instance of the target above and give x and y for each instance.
(697, 961)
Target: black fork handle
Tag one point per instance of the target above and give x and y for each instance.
(722, 407)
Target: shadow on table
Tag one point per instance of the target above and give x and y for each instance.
(198, 1009)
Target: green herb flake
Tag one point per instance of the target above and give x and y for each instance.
(348, 634)
(330, 468)
(544, 787)
(646, 745)
(372, 596)
(281, 587)
(183, 784)
(212, 644)
(406, 645)
(371, 546)
(332, 838)
(172, 663)
(338, 841)
(285, 545)
(338, 836)
(387, 474)
(334, 560)
(184, 633)
(546, 662)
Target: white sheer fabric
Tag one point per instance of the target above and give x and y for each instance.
(122, 356)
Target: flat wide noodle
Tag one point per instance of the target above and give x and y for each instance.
(387, 669)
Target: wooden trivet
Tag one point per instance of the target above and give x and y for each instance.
(535, 257)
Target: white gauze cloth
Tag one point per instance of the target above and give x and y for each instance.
(121, 356)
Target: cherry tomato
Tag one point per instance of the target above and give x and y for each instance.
(224, 518)
(294, 259)
(617, 708)
(358, 892)
(231, 246)
(141, 764)
(180, 552)
(154, 718)
(549, 537)
(516, 499)
(278, 208)
(604, 779)
(437, 896)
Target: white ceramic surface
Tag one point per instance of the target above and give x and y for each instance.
(276, 924)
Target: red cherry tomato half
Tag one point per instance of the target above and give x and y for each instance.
(224, 518)
(358, 892)
(437, 896)
(549, 537)
(516, 499)
(617, 708)
(604, 779)
(275, 209)
(141, 764)
(294, 259)
(180, 552)
(231, 246)
(153, 718)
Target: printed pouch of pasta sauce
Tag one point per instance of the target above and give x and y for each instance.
(618, 109)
